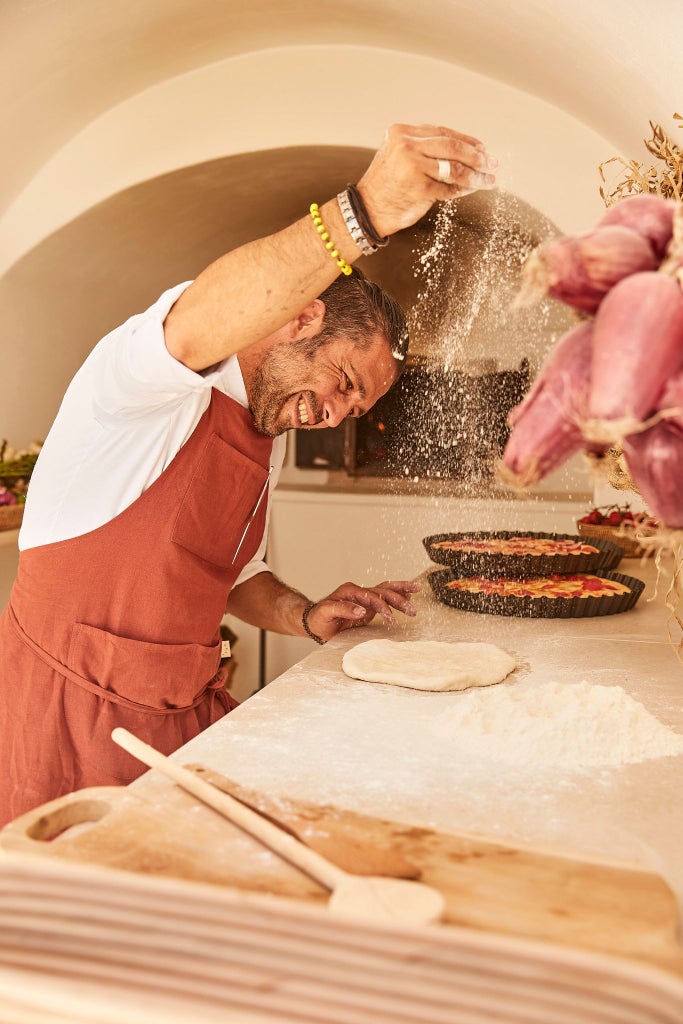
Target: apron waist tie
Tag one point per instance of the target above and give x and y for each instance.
(210, 690)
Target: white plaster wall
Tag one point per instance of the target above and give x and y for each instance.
(306, 96)
(612, 65)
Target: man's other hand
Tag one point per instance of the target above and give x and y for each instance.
(351, 605)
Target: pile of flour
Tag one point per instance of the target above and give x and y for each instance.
(566, 725)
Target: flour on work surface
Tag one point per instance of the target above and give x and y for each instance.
(564, 725)
(428, 664)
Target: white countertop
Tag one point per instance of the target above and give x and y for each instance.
(316, 735)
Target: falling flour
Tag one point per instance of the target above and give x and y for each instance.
(571, 726)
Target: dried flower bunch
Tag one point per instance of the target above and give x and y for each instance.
(664, 178)
(613, 466)
(614, 383)
(16, 468)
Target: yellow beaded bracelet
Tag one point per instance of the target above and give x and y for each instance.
(345, 267)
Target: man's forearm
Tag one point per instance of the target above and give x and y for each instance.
(254, 290)
(258, 288)
(266, 602)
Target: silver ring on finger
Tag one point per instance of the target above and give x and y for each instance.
(444, 171)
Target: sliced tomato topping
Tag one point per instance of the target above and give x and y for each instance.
(517, 546)
(553, 586)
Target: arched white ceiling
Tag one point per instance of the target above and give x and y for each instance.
(281, 97)
(100, 95)
(610, 64)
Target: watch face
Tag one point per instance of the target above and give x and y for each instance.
(555, 595)
(503, 553)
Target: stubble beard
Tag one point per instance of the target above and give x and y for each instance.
(265, 406)
(268, 397)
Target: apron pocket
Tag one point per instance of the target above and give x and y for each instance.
(155, 675)
(215, 510)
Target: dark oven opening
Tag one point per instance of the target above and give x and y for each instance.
(434, 422)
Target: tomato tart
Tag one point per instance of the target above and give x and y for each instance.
(554, 595)
(522, 554)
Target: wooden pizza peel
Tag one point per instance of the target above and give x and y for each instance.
(487, 886)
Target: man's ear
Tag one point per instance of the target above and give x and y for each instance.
(309, 322)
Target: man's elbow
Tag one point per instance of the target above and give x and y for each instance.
(180, 337)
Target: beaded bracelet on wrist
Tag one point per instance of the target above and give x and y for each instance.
(345, 267)
(304, 619)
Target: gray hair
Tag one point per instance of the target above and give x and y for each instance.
(358, 309)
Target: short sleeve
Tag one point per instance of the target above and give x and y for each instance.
(131, 369)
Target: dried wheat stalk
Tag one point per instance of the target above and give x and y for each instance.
(665, 178)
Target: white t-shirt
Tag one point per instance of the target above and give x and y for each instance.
(124, 417)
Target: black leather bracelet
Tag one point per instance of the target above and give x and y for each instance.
(363, 218)
(304, 619)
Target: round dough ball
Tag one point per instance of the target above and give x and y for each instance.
(428, 664)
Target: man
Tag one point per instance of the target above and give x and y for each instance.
(147, 511)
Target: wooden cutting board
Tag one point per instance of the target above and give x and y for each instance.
(487, 885)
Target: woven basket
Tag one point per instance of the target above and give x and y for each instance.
(11, 516)
(616, 535)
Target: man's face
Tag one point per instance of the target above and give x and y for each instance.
(294, 387)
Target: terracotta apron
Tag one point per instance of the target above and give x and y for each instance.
(120, 626)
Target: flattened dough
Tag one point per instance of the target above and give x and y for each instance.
(428, 664)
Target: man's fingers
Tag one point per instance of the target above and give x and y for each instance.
(351, 605)
(456, 172)
(432, 131)
(396, 599)
(442, 144)
(419, 165)
(456, 166)
(377, 603)
(382, 598)
(342, 609)
(457, 154)
(404, 586)
(369, 600)
(332, 614)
